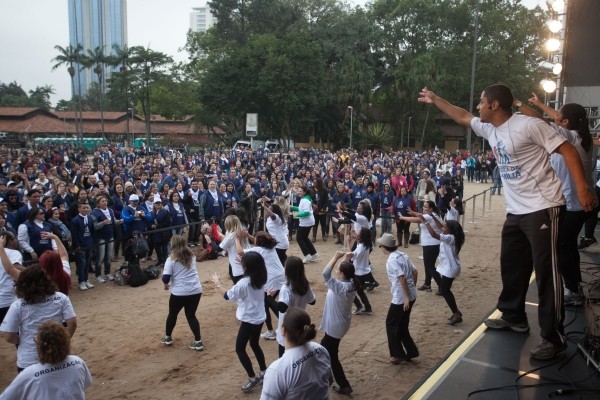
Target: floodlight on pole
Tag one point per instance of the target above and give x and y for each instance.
(548, 85)
(351, 112)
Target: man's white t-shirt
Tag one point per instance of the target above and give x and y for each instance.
(66, 380)
(337, 312)
(184, 281)
(301, 373)
(250, 302)
(522, 147)
(24, 318)
(7, 283)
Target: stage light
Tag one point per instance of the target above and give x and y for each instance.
(552, 45)
(547, 66)
(554, 25)
(548, 85)
(558, 6)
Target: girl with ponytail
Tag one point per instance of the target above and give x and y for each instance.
(337, 312)
(304, 369)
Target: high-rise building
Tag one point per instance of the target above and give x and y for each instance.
(201, 18)
(96, 23)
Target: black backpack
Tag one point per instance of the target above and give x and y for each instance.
(137, 277)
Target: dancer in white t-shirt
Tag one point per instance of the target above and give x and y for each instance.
(304, 370)
(295, 292)
(337, 312)
(37, 302)
(403, 277)
(248, 293)
(57, 375)
(181, 277)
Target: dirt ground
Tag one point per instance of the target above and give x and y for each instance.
(119, 328)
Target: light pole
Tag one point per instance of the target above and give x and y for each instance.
(132, 127)
(351, 112)
(408, 134)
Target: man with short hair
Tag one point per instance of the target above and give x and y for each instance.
(534, 203)
(83, 243)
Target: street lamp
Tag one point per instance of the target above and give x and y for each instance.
(408, 136)
(351, 112)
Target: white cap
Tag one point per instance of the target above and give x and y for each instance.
(134, 197)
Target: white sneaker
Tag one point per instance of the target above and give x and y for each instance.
(307, 259)
(269, 335)
(109, 277)
(314, 257)
(100, 279)
(82, 286)
(88, 284)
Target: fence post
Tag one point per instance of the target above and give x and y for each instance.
(473, 210)
(490, 202)
(483, 204)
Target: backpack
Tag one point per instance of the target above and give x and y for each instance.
(137, 276)
(152, 272)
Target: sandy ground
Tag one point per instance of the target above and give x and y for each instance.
(120, 328)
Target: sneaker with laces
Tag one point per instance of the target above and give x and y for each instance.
(82, 286)
(499, 324)
(586, 242)
(167, 340)
(197, 345)
(88, 284)
(547, 350)
(365, 311)
(455, 319)
(109, 277)
(269, 335)
(572, 298)
(357, 310)
(100, 279)
(426, 288)
(251, 384)
(307, 259)
(314, 257)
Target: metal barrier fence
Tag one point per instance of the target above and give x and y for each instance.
(473, 201)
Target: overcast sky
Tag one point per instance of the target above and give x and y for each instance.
(29, 30)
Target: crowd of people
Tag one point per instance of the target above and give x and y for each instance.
(249, 205)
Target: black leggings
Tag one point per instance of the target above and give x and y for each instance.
(364, 279)
(430, 254)
(282, 254)
(333, 345)
(250, 333)
(304, 242)
(269, 307)
(190, 305)
(445, 284)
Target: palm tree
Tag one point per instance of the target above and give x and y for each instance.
(72, 57)
(120, 58)
(96, 60)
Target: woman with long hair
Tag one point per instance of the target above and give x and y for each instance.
(11, 259)
(276, 225)
(571, 122)
(307, 220)
(177, 210)
(430, 245)
(342, 285)
(286, 378)
(181, 277)
(264, 244)
(29, 233)
(320, 203)
(120, 200)
(37, 301)
(233, 238)
(248, 293)
(161, 220)
(295, 292)
(403, 203)
(57, 375)
(362, 267)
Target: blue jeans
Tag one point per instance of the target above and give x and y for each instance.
(83, 260)
(104, 255)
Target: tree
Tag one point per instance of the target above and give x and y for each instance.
(13, 95)
(72, 58)
(40, 97)
(147, 67)
(96, 61)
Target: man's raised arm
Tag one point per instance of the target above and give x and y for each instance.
(460, 115)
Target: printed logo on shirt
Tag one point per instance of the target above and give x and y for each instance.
(507, 172)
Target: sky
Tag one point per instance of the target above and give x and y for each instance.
(29, 30)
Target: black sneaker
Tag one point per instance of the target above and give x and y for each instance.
(426, 288)
(500, 324)
(586, 242)
(251, 384)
